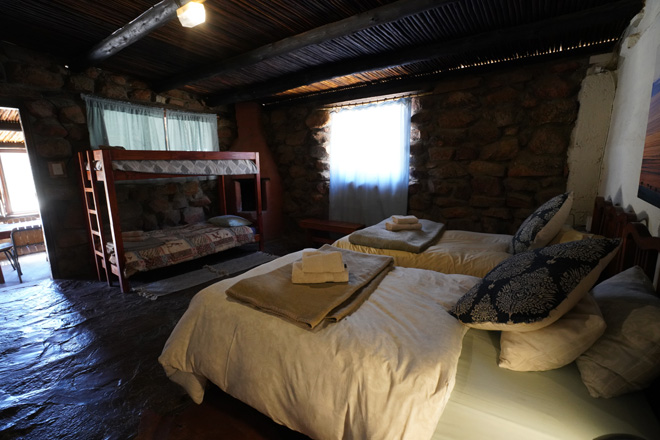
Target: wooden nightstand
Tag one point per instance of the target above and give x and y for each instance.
(319, 231)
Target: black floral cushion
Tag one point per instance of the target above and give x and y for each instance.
(533, 289)
(542, 225)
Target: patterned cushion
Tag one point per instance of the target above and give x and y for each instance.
(543, 224)
(533, 289)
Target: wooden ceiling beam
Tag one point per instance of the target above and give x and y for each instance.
(384, 14)
(150, 20)
(481, 43)
(10, 126)
(411, 85)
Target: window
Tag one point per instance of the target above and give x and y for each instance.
(19, 194)
(138, 127)
(369, 156)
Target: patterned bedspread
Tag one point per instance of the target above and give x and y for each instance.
(170, 246)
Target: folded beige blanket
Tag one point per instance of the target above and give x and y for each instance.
(415, 241)
(402, 226)
(308, 305)
(299, 276)
(404, 219)
(322, 262)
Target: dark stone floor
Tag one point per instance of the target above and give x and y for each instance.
(78, 360)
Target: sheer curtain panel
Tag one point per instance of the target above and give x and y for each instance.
(192, 131)
(369, 156)
(116, 123)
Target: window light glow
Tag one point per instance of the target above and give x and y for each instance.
(365, 143)
(20, 186)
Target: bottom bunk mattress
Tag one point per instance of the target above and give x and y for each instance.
(385, 371)
(144, 251)
(489, 402)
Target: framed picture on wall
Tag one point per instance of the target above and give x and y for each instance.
(649, 178)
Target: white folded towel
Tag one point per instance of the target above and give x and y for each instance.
(402, 226)
(404, 219)
(298, 276)
(321, 262)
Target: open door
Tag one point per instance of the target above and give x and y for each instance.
(19, 205)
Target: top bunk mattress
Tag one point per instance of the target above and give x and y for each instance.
(223, 167)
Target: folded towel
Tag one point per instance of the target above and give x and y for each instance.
(298, 276)
(402, 226)
(322, 262)
(404, 219)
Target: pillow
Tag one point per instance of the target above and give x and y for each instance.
(542, 225)
(567, 233)
(533, 289)
(227, 221)
(627, 357)
(556, 345)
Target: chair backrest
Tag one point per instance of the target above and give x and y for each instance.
(27, 239)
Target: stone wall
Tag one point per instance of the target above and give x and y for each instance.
(299, 140)
(486, 150)
(156, 204)
(53, 115)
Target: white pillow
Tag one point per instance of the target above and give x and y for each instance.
(556, 345)
(228, 221)
(627, 357)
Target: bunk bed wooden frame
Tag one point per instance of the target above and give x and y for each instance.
(96, 167)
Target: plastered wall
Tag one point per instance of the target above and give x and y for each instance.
(627, 130)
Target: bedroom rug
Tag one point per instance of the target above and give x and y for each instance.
(202, 277)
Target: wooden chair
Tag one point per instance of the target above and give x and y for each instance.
(8, 249)
(24, 238)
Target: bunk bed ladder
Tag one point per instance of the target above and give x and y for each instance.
(94, 222)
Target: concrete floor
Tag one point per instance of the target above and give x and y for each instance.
(78, 360)
(35, 268)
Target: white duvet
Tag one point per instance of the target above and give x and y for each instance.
(384, 372)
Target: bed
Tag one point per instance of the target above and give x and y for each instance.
(117, 255)
(456, 251)
(467, 252)
(399, 366)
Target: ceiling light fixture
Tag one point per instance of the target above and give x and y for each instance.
(191, 14)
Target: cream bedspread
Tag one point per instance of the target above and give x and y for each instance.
(458, 252)
(539, 405)
(384, 372)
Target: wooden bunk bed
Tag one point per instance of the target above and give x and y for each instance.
(109, 166)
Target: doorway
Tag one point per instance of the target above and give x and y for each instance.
(19, 205)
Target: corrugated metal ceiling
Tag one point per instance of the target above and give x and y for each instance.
(240, 52)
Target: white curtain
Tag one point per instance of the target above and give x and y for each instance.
(369, 157)
(139, 127)
(116, 123)
(192, 131)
